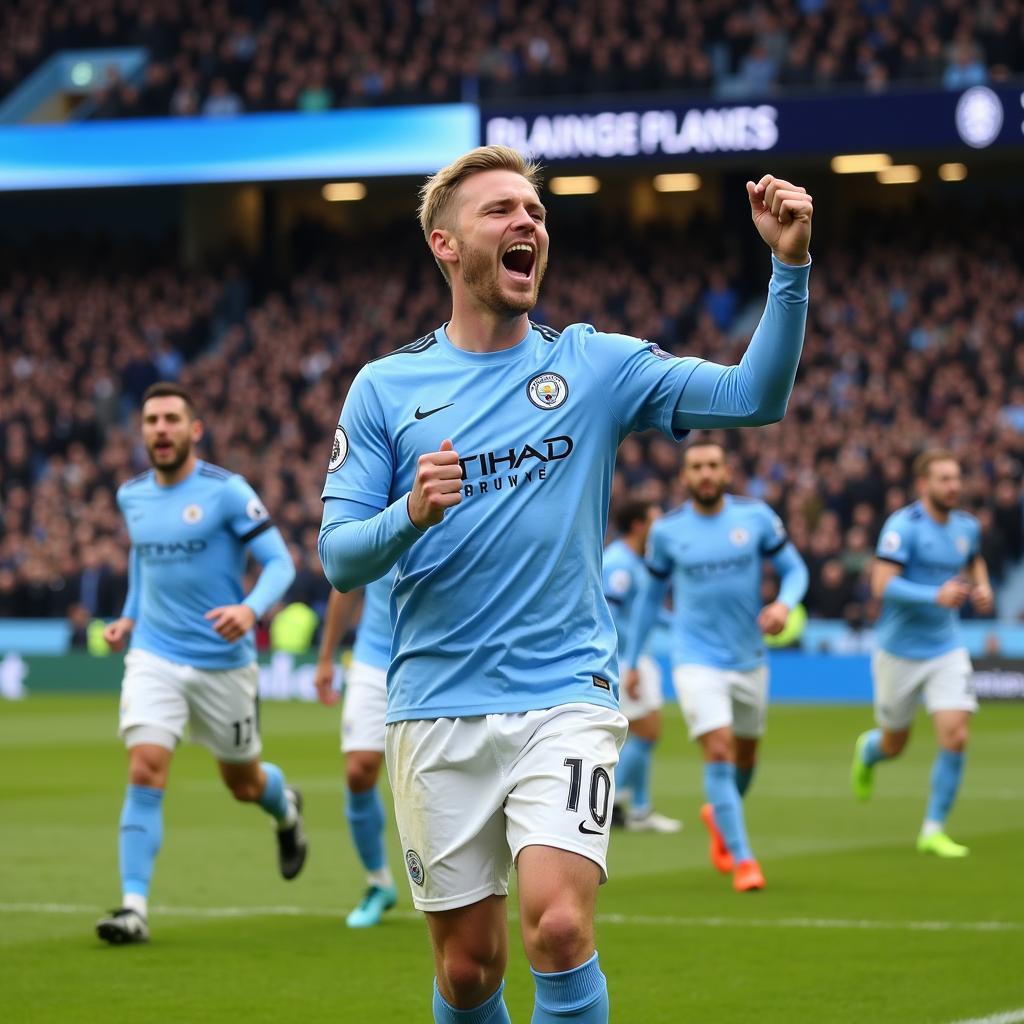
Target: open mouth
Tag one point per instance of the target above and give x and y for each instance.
(518, 259)
(163, 448)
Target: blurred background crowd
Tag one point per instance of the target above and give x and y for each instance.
(222, 57)
(915, 338)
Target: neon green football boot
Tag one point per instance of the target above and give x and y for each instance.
(862, 775)
(941, 845)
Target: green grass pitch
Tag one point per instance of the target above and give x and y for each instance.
(854, 925)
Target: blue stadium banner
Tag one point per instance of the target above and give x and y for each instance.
(974, 119)
(251, 147)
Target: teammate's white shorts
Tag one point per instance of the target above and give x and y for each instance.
(220, 706)
(366, 703)
(470, 793)
(945, 682)
(713, 698)
(650, 698)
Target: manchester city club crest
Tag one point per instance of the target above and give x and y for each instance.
(191, 514)
(739, 536)
(339, 450)
(547, 390)
(415, 866)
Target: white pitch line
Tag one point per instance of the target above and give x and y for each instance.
(1010, 1017)
(827, 923)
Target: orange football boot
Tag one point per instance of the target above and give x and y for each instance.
(719, 853)
(748, 877)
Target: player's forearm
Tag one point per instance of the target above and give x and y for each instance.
(357, 549)
(131, 597)
(755, 391)
(794, 577)
(977, 572)
(276, 576)
(335, 623)
(646, 607)
(902, 591)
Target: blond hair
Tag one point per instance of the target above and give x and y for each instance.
(437, 197)
(926, 459)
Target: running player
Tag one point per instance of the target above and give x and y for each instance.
(623, 574)
(503, 726)
(192, 657)
(362, 731)
(712, 549)
(928, 564)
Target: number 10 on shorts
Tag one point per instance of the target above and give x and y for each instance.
(600, 790)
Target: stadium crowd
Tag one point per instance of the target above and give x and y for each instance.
(915, 337)
(223, 57)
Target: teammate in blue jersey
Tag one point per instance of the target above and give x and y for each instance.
(362, 731)
(480, 459)
(192, 658)
(624, 573)
(712, 551)
(928, 564)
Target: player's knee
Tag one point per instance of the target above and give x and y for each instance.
(474, 969)
(361, 771)
(718, 748)
(955, 739)
(146, 771)
(893, 744)
(563, 934)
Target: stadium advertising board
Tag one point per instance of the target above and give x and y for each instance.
(252, 147)
(977, 118)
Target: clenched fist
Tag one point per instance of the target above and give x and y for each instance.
(782, 213)
(438, 486)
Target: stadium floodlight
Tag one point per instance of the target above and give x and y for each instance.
(576, 185)
(676, 182)
(952, 172)
(899, 174)
(344, 191)
(861, 163)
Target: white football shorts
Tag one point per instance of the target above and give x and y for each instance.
(220, 706)
(713, 698)
(944, 682)
(366, 703)
(470, 793)
(650, 698)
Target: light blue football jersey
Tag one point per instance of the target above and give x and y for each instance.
(624, 574)
(500, 607)
(189, 543)
(716, 566)
(373, 634)
(930, 553)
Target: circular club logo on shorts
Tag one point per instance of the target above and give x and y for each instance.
(191, 514)
(547, 390)
(415, 866)
(739, 536)
(339, 451)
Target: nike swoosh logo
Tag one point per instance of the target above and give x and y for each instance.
(590, 831)
(420, 415)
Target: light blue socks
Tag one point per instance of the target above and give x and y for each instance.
(493, 1011)
(946, 773)
(580, 994)
(273, 799)
(142, 830)
(365, 814)
(724, 797)
(871, 752)
(634, 771)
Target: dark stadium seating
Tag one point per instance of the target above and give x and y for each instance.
(231, 55)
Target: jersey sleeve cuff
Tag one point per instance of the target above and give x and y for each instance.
(788, 282)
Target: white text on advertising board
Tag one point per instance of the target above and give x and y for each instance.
(638, 133)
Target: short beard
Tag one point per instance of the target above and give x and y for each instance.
(709, 502)
(481, 279)
(943, 506)
(181, 454)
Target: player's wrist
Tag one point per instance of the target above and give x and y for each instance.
(794, 259)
